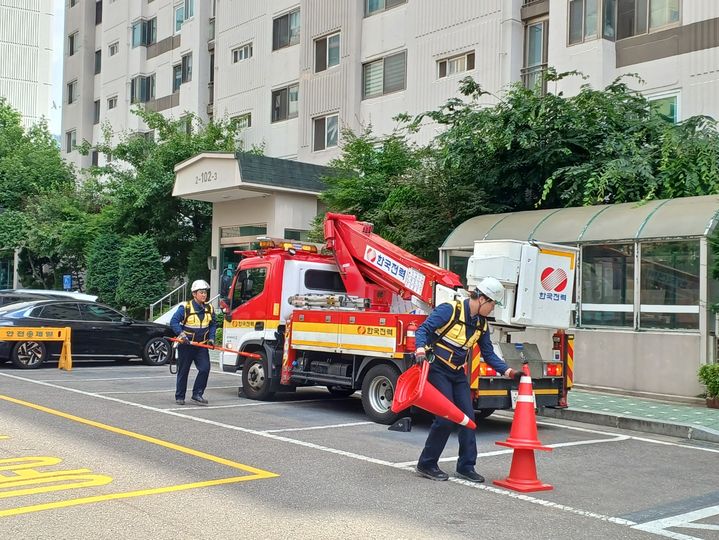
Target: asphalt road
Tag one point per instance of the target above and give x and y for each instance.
(104, 452)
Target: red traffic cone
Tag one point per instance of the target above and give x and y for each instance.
(523, 438)
(414, 389)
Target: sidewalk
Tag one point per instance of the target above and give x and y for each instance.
(640, 414)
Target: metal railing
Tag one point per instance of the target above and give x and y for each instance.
(533, 77)
(175, 296)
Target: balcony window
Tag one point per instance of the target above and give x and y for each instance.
(583, 20)
(384, 76)
(535, 56)
(635, 17)
(327, 52)
(187, 68)
(179, 17)
(326, 132)
(144, 32)
(285, 103)
(142, 89)
(286, 30)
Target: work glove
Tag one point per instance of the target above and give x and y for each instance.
(514, 374)
(420, 356)
(184, 338)
(211, 342)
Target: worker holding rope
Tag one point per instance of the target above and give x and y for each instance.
(194, 321)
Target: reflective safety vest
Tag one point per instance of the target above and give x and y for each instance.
(453, 345)
(195, 328)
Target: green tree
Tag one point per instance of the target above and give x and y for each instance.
(139, 181)
(197, 261)
(103, 265)
(141, 277)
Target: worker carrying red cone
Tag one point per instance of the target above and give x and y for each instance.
(451, 330)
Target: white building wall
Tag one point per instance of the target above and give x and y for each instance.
(26, 56)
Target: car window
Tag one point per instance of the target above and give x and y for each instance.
(96, 312)
(61, 312)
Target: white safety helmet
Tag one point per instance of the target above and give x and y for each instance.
(492, 289)
(200, 285)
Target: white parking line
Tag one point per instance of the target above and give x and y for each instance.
(684, 521)
(352, 455)
(317, 427)
(166, 390)
(111, 379)
(250, 404)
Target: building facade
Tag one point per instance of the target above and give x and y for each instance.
(26, 52)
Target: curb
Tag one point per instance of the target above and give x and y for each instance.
(671, 429)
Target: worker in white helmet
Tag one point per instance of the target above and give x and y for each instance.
(451, 331)
(194, 321)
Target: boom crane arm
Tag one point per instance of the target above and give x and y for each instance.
(372, 267)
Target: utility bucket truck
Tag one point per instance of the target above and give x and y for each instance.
(345, 318)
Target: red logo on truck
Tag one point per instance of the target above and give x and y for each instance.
(554, 279)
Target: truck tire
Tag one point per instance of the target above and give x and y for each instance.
(29, 354)
(378, 392)
(255, 382)
(481, 414)
(341, 391)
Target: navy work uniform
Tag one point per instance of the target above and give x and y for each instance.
(197, 322)
(451, 331)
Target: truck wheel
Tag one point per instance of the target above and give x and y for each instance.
(29, 354)
(378, 393)
(480, 414)
(341, 391)
(255, 382)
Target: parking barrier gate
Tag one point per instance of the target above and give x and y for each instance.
(42, 333)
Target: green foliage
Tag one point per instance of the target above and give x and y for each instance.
(709, 377)
(103, 266)
(197, 260)
(220, 324)
(141, 276)
(137, 192)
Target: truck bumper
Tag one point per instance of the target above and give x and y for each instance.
(495, 393)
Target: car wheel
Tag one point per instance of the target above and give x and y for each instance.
(29, 354)
(341, 391)
(378, 392)
(156, 352)
(479, 414)
(255, 380)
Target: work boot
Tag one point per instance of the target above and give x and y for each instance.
(433, 473)
(200, 400)
(180, 401)
(472, 476)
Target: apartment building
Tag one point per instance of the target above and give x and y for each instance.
(26, 56)
(120, 54)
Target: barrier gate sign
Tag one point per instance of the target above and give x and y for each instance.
(42, 333)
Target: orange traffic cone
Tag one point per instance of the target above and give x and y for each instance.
(413, 389)
(523, 438)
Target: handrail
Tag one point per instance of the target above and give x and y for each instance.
(181, 294)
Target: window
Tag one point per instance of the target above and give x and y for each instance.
(634, 17)
(243, 230)
(242, 53)
(112, 102)
(113, 48)
(286, 30)
(285, 103)
(144, 32)
(73, 42)
(96, 116)
(583, 20)
(667, 107)
(179, 17)
(176, 77)
(327, 52)
(73, 3)
(535, 55)
(98, 12)
(187, 68)
(250, 283)
(669, 292)
(375, 6)
(456, 64)
(296, 234)
(326, 132)
(189, 9)
(322, 280)
(70, 140)
(385, 75)
(244, 120)
(142, 89)
(608, 285)
(98, 313)
(61, 312)
(72, 92)
(98, 62)
(95, 156)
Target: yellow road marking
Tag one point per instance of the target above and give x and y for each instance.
(255, 474)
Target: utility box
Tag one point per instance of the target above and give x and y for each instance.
(538, 279)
